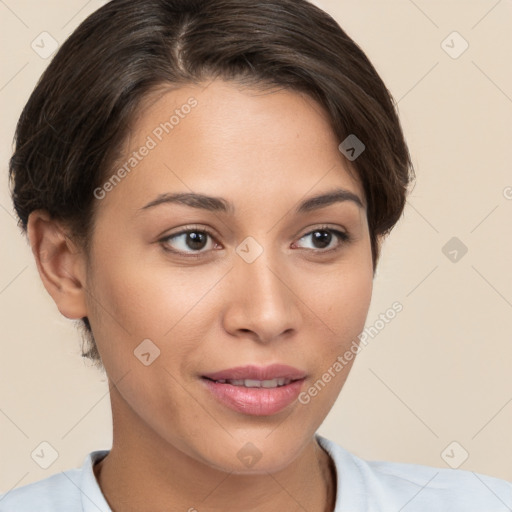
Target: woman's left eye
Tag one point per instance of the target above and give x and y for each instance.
(324, 236)
(197, 240)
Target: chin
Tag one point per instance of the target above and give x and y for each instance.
(260, 456)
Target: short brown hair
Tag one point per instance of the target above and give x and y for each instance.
(80, 112)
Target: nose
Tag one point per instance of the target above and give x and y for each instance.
(262, 302)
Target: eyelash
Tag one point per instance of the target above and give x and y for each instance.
(343, 237)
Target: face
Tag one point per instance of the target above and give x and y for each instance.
(179, 292)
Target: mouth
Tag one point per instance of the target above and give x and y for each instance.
(256, 374)
(253, 383)
(258, 391)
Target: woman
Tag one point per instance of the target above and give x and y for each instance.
(205, 186)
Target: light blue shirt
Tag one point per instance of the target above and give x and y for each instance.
(362, 486)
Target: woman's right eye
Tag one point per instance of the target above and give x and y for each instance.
(194, 239)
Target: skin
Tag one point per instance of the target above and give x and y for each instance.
(174, 445)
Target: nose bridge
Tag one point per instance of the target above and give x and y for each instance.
(261, 277)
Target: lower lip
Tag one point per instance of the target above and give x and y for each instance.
(255, 401)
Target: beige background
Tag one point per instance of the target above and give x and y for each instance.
(440, 371)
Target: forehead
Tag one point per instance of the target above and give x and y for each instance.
(233, 142)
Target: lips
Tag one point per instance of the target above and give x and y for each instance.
(255, 383)
(259, 391)
(255, 373)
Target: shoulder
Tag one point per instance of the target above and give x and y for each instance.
(56, 493)
(382, 486)
(67, 491)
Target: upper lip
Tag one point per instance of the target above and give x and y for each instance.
(273, 371)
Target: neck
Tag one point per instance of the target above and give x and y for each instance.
(142, 468)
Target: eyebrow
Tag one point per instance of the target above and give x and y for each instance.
(218, 204)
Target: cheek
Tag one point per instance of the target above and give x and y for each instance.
(134, 300)
(341, 298)
(339, 303)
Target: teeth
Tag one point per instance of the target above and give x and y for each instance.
(251, 383)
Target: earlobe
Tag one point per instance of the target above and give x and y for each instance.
(59, 262)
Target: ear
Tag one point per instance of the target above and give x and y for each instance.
(59, 262)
